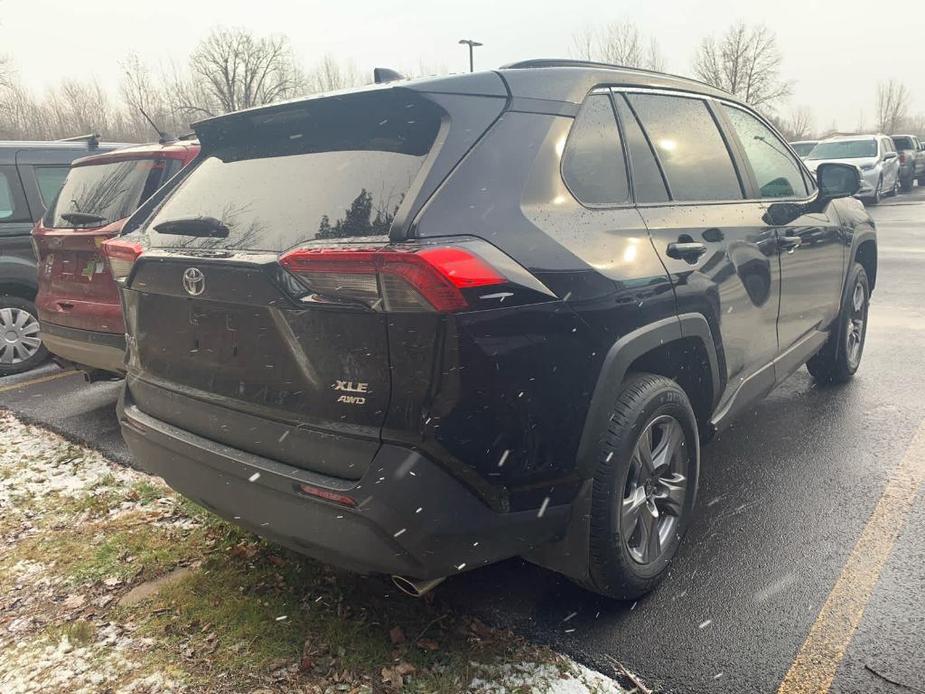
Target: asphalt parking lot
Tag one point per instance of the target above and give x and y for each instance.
(804, 568)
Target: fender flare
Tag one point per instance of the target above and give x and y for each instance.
(616, 363)
(867, 234)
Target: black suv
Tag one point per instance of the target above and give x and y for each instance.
(419, 328)
(31, 174)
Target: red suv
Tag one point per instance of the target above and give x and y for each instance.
(77, 302)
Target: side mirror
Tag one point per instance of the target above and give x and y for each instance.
(889, 155)
(838, 180)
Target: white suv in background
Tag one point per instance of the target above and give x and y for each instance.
(874, 155)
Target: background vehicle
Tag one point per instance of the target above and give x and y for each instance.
(77, 301)
(804, 147)
(911, 160)
(31, 173)
(874, 155)
(480, 336)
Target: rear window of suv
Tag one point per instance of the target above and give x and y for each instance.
(325, 168)
(94, 195)
(903, 143)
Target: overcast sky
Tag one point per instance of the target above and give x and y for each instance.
(834, 52)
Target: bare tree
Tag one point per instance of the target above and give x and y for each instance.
(232, 69)
(744, 61)
(800, 125)
(892, 105)
(143, 94)
(618, 43)
(330, 75)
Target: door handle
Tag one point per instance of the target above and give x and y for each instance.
(789, 243)
(689, 251)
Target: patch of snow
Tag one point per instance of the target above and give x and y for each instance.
(568, 677)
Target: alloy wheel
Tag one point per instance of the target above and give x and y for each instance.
(19, 335)
(655, 491)
(854, 338)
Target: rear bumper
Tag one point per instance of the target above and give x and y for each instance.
(411, 517)
(97, 350)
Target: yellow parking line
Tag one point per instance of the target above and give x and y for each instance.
(815, 666)
(41, 379)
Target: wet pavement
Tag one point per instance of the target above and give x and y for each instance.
(786, 495)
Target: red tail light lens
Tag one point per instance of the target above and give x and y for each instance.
(402, 280)
(121, 256)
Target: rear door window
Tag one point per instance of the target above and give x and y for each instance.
(689, 146)
(94, 195)
(593, 165)
(903, 142)
(648, 183)
(776, 171)
(49, 180)
(12, 203)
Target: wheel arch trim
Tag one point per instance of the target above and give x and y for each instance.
(617, 362)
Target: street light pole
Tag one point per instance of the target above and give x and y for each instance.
(472, 44)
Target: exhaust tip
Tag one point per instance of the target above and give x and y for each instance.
(415, 588)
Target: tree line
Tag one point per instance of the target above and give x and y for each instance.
(231, 69)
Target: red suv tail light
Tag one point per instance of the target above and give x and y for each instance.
(121, 256)
(430, 279)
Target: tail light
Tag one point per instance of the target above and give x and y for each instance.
(434, 278)
(121, 256)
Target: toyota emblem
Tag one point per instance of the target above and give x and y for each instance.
(194, 282)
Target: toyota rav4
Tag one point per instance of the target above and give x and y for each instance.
(421, 327)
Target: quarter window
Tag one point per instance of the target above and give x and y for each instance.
(593, 165)
(49, 180)
(690, 148)
(776, 171)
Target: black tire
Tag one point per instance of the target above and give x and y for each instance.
(878, 194)
(658, 408)
(10, 307)
(838, 360)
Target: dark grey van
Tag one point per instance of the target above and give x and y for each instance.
(31, 174)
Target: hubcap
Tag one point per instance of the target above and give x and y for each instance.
(655, 491)
(19, 335)
(855, 329)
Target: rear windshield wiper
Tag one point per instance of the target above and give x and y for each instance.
(194, 226)
(81, 218)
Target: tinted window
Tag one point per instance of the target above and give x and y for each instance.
(647, 179)
(331, 168)
(97, 194)
(903, 143)
(49, 180)
(776, 171)
(802, 148)
(689, 147)
(593, 164)
(12, 206)
(844, 149)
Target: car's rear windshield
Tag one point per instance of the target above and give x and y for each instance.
(844, 149)
(94, 195)
(327, 168)
(903, 143)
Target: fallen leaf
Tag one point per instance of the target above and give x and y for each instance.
(428, 645)
(396, 635)
(74, 601)
(404, 669)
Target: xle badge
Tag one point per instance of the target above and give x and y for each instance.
(351, 387)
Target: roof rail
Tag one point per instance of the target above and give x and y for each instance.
(92, 140)
(572, 62)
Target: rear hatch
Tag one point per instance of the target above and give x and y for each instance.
(76, 289)
(258, 313)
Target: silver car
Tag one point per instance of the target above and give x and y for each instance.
(874, 155)
(804, 147)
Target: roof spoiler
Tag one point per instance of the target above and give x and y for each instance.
(92, 140)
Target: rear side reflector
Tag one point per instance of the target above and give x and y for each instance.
(121, 256)
(428, 279)
(327, 495)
